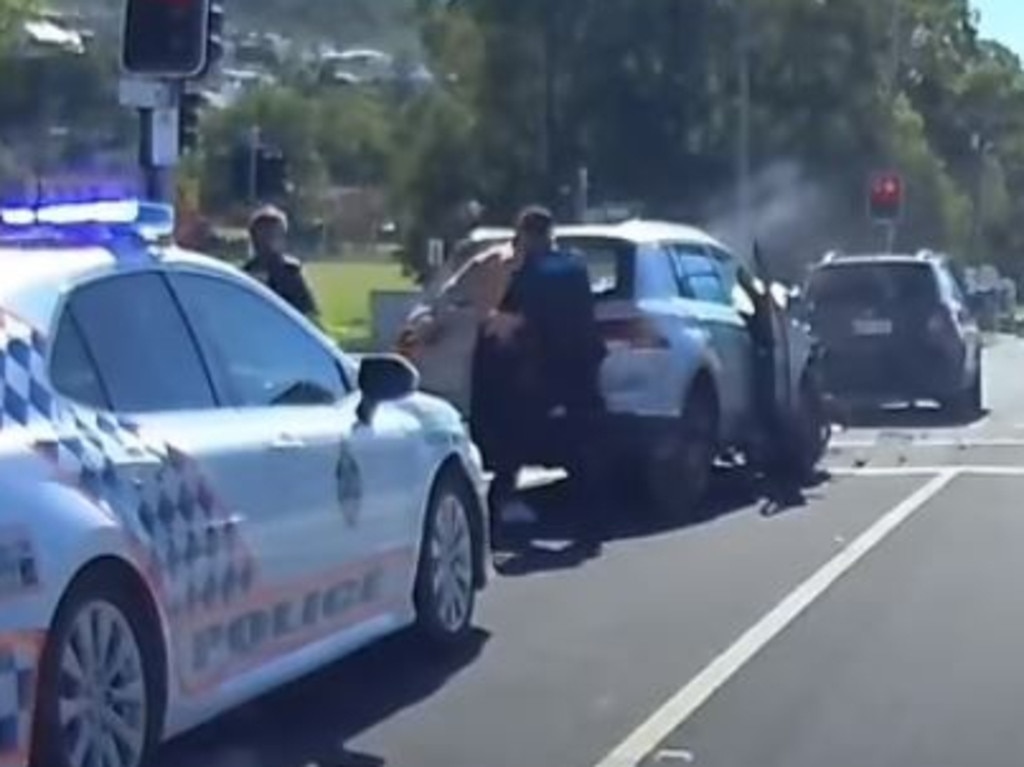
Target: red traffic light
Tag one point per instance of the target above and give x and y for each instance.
(166, 38)
(886, 196)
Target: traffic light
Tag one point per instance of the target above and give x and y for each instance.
(214, 36)
(885, 197)
(188, 119)
(271, 174)
(166, 38)
(258, 173)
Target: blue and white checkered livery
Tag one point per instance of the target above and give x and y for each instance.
(220, 542)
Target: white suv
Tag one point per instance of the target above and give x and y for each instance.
(679, 314)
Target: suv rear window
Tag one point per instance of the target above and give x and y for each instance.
(873, 284)
(609, 263)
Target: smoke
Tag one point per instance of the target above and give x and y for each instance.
(793, 218)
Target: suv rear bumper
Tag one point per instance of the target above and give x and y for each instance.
(906, 374)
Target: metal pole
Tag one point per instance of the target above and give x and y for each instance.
(582, 193)
(152, 183)
(978, 144)
(896, 30)
(890, 236)
(743, 201)
(254, 163)
(550, 126)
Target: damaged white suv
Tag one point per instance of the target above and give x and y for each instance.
(703, 361)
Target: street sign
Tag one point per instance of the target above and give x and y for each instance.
(145, 93)
(165, 145)
(886, 196)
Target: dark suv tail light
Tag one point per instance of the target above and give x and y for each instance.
(941, 324)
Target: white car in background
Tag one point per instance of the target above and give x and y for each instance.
(200, 497)
(678, 311)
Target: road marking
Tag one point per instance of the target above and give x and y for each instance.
(918, 471)
(927, 442)
(645, 739)
(981, 423)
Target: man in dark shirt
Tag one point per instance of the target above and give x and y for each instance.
(268, 233)
(542, 357)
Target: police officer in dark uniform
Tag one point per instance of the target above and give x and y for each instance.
(268, 232)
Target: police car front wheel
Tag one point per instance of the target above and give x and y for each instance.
(445, 583)
(98, 696)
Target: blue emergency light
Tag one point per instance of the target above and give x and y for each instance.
(88, 220)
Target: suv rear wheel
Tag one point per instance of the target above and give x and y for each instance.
(808, 432)
(967, 403)
(679, 467)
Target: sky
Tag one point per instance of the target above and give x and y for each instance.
(1003, 20)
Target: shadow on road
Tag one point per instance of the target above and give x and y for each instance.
(906, 417)
(309, 722)
(547, 545)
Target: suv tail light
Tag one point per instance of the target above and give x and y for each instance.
(940, 323)
(632, 333)
(944, 330)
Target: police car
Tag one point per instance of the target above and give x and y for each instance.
(200, 497)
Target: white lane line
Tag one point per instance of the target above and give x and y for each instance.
(981, 423)
(642, 742)
(918, 471)
(927, 442)
(888, 471)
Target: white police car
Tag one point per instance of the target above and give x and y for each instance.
(200, 497)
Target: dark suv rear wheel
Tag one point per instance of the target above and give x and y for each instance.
(967, 403)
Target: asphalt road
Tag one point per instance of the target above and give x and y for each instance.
(874, 619)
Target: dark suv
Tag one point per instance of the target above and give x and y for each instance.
(895, 327)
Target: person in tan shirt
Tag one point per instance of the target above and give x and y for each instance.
(441, 333)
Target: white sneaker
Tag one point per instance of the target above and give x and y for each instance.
(517, 513)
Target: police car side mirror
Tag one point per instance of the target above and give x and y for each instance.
(384, 378)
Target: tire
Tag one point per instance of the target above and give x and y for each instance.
(807, 435)
(969, 402)
(133, 696)
(445, 591)
(975, 396)
(679, 469)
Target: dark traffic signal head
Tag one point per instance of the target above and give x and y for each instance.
(885, 197)
(214, 35)
(258, 173)
(167, 38)
(188, 119)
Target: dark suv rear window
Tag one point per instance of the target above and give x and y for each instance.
(873, 284)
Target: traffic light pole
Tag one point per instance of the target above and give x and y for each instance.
(152, 177)
(156, 157)
(890, 236)
(253, 180)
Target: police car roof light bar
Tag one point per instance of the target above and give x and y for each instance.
(147, 220)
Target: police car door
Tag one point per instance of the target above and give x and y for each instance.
(341, 528)
(182, 476)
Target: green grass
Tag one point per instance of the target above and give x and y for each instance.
(343, 293)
